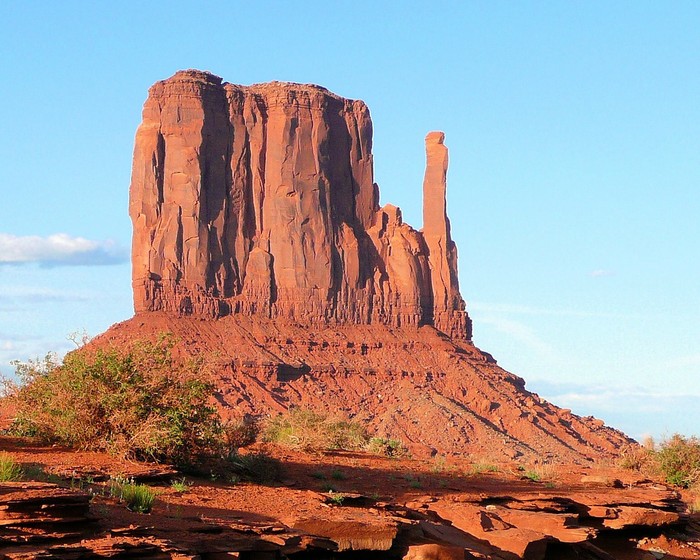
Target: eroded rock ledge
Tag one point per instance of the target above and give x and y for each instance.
(260, 200)
(488, 517)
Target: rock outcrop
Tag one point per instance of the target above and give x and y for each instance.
(260, 200)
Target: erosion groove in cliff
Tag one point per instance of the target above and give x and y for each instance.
(260, 200)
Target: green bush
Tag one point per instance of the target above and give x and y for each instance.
(180, 485)
(387, 446)
(138, 402)
(9, 468)
(336, 499)
(304, 429)
(259, 467)
(137, 497)
(337, 474)
(532, 475)
(481, 467)
(678, 459)
(239, 434)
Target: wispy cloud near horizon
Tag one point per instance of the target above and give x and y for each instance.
(608, 396)
(637, 410)
(15, 298)
(59, 249)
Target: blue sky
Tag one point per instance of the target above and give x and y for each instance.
(574, 137)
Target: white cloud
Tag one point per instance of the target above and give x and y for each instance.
(12, 295)
(600, 272)
(637, 410)
(614, 397)
(59, 249)
(29, 348)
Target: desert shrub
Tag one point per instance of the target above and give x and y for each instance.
(481, 467)
(9, 468)
(694, 504)
(139, 403)
(258, 467)
(532, 475)
(180, 485)
(543, 472)
(336, 498)
(386, 446)
(305, 429)
(337, 474)
(347, 434)
(678, 459)
(636, 458)
(242, 433)
(137, 497)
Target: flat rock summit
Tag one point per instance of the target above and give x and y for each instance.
(260, 242)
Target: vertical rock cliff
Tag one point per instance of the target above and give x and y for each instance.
(261, 200)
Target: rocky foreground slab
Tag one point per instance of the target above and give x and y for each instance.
(380, 508)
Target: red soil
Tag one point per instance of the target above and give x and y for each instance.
(397, 507)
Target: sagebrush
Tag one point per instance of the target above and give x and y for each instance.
(390, 447)
(139, 402)
(305, 429)
(258, 467)
(675, 459)
(679, 460)
(309, 430)
(10, 470)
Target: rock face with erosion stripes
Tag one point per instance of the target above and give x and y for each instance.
(260, 200)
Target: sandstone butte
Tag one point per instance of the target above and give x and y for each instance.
(260, 242)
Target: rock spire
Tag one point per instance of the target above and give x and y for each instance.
(261, 200)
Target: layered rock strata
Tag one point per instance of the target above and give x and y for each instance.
(437, 395)
(260, 200)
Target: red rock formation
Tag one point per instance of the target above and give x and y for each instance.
(442, 252)
(261, 200)
(255, 207)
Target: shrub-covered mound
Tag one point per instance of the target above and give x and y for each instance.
(139, 402)
(309, 430)
(679, 460)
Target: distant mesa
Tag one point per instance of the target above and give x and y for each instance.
(260, 200)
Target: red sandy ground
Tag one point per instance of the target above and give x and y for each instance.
(377, 490)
